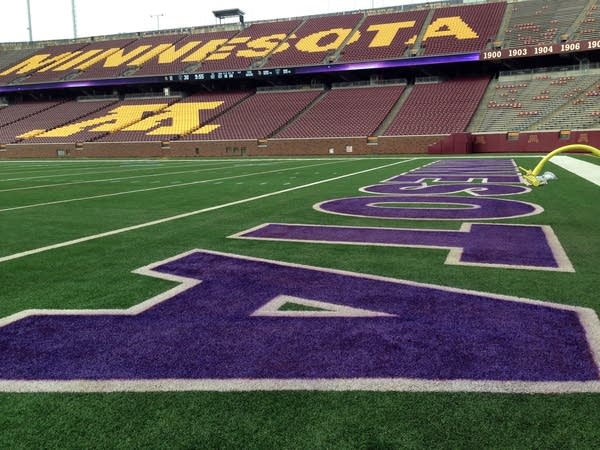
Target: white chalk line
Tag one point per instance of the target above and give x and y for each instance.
(157, 188)
(133, 169)
(586, 170)
(102, 180)
(191, 213)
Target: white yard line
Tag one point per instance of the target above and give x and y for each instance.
(188, 214)
(134, 191)
(584, 169)
(102, 180)
(85, 173)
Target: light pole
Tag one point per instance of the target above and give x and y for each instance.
(74, 19)
(158, 16)
(29, 22)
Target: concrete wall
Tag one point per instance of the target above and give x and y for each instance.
(274, 147)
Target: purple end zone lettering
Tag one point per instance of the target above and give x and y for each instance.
(479, 190)
(213, 331)
(511, 246)
(417, 178)
(469, 208)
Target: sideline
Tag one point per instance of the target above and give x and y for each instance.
(583, 169)
(189, 214)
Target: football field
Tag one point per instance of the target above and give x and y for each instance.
(418, 302)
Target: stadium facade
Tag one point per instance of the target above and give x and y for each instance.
(443, 78)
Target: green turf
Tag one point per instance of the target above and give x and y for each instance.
(97, 274)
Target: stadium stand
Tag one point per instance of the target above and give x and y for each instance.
(344, 104)
(263, 39)
(184, 55)
(38, 66)
(350, 111)
(109, 119)
(589, 27)
(10, 56)
(439, 108)
(14, 113)
(384, 42)
(319, 46)
(517, 102)
(48, 119)
(582, 112)
(116, 56)
(540, 21)
(179, 119)
(259, 116)
(463, 20)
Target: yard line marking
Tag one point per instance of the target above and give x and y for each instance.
(114, 194)
(586, 170)
(112, 180)
(193, 213)
(84, 173)
(300, 384)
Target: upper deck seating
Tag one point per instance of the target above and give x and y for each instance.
(385, 36)
(38, 66)
(537, 22)
(184, 55)
(122, 56)
(590, 25)
(252, 44)
(316, 38)
(460, 29)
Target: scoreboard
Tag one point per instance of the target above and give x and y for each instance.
(230, 75)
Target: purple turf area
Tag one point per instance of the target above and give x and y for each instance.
(208, 331)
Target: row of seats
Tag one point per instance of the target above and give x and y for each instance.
(355, 111)
(439, 108)
(346, 112)
(536, 22)
(310, 41)
(532, 100)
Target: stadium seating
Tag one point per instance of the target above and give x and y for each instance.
(9, 57)
(58, 114)
(183, 56)
(486, 18)
(316, 50)
(16, 112)
(120, 57)
(180, 118)
(278, 31)
(540, 21)
(590, 25)
(109, 119)
(259, 116)
(439, 108)
(519, 102)
(352, 111)
(581, 112)
(40, 70)
(392, 41)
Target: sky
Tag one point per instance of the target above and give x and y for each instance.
(52, 19)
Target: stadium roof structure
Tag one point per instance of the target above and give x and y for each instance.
(224, 13)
